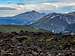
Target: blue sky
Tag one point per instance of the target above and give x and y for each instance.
(20, 6)
(13, 1)
(27, 1)
(34, 1)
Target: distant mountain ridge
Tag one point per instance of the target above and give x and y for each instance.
(56, 22)
(53, 22)
(22, 19)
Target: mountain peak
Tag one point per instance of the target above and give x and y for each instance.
(23, 18)
(55, 22)
(72, 13)
(33, 11)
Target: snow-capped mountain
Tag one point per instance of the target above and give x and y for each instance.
(55, 22)
(22, 19)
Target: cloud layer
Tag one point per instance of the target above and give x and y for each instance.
(60, 6)
(7, 8)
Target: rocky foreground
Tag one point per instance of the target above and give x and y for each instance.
(36, 44)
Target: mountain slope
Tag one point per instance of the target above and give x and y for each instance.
(22, 19)
(71, 27)
(55, 22)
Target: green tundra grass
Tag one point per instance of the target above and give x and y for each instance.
(17, 28)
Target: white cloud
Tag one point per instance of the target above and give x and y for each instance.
(42, 6)
(70, 1)
(34, 1)
(37, 7)
(27, 7)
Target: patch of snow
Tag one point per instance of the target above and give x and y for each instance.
(51, 24)
(13, 23)
(54, 16)
(72, 33)
(67, 21)
(53, 30)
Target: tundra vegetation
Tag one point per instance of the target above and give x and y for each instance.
(25, 43)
